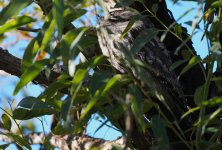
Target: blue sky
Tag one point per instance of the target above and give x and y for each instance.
(8, 82)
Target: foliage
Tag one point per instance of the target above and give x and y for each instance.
(109, 93)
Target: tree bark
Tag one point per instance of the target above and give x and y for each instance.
(70, 142)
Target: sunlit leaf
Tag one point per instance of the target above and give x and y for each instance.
(69, 43)
(117, 148)
(213, 101)
(30, 74)
(216, 4)
(190, 111)
(15, 23)
(70, 16)
(29, 54)
(6, 122)
(13, 9)
(48, 35)
(31, 107)
(192, 62)
(104, 88)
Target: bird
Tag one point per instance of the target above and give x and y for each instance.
(159, 80)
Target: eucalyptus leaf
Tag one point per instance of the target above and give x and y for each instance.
(30, 74)
(20, 141)
(192, 62)
(31, 107)
(15, 23)
(143, 38)
(57, 11)
(13, 9)
(6, 122)
(159, 130)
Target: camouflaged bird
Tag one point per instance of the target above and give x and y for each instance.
(163, 83)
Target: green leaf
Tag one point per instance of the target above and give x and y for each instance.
(30, 74)
(57, 11)
(101, 91)
(189, 112)
(192, 62)
(6, 122)
(117, 148)
(111, 83)
(74, 51)
(48, 35)
(30, 107)
(158, 127)
(15, 23)
(70, 15)
(46, 143)
(67, 43)
(199, 94)
(54, 87)
(127, 29)
(136, 104)
(143, 38)
(4, 146)
(29, 54)
(124, 3)
(216, 4)
(89, 40)
(216, 101)
(99, 80)
(20, 141)
(178, 29)
(79, 76)
(13, 9)
(177, 64)
(59, 130)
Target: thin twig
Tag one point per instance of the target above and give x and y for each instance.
(28, 29)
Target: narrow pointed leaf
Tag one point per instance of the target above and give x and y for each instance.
(20, 141)
(15, 23)
(31, 107)
(143, 38)
(159, 130)
(12, 9)
(30, 74)
(192, 62)
(29, 54)
(48, 35)
(57, 11)
(6, 122)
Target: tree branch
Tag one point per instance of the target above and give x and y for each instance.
(12, 65)
(67, 142)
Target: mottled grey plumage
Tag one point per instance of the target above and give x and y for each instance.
(162, 82)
